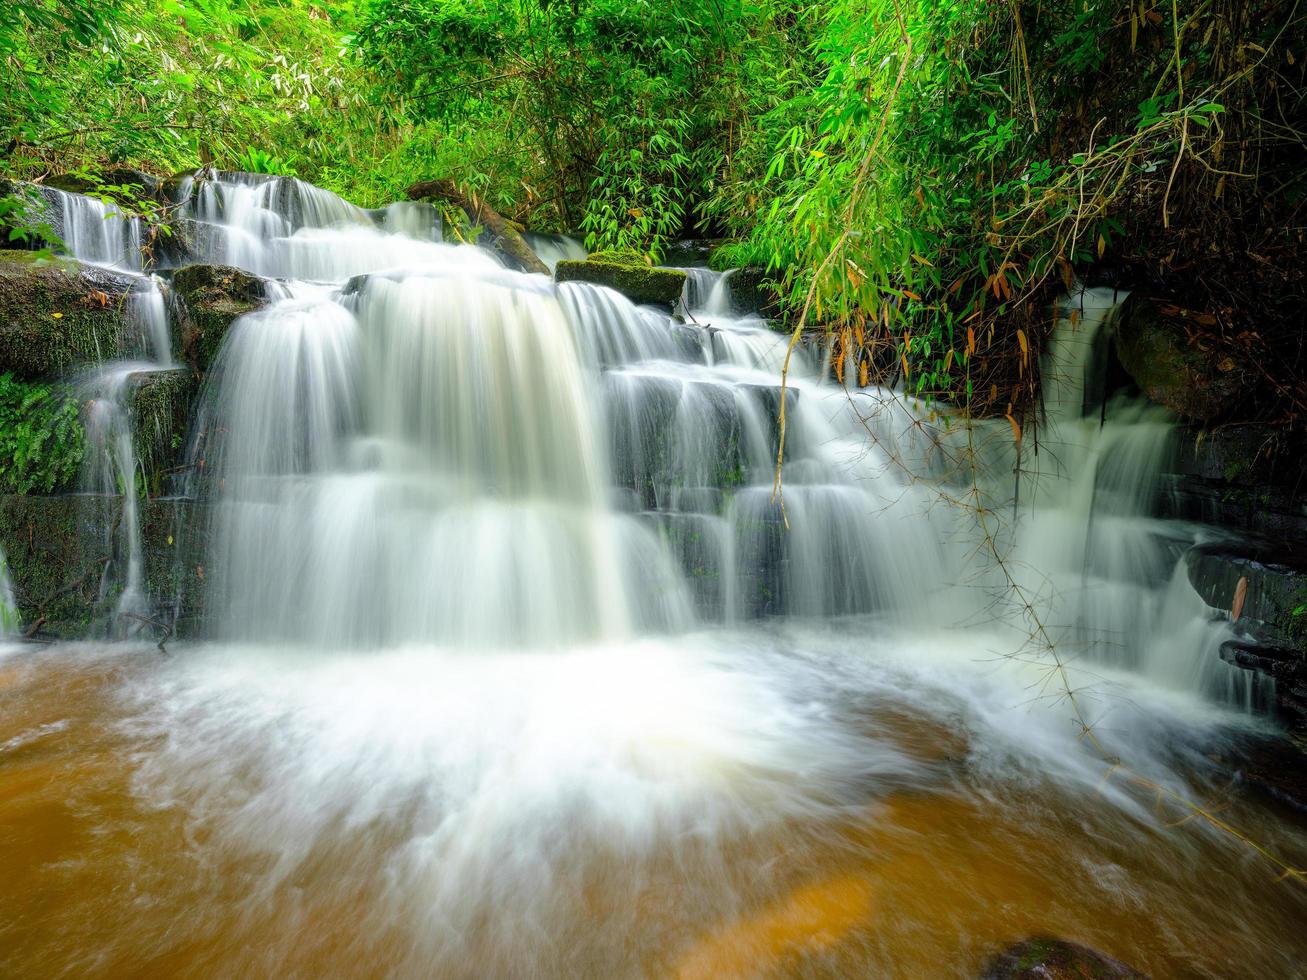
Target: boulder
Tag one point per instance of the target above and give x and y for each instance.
(212, 298)
(628, 274)
(1162, 348)
(57, 313)
(1042, 958)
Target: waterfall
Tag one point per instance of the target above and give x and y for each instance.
(110, 463)
(515, 660)
(420, 446)
(554, 248)
(95, 231)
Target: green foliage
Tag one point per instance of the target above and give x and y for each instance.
(622, 112)
(920, 176)
(175, 84)
(41, 437)
(960, 161)
(23, 221)
(256, 161)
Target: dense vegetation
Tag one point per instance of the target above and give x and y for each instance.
(919, 177)
(41, 438)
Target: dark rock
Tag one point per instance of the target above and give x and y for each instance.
(1160, 349)
(1042, 958)
(1265, 510)
(212, 298)
(1274, 766)
(640, 283)
(56, 313)
(753, 291)
(57, 552)
(1276, 596)
(697, 541)
(690, 251)
(1248, 478)
(1272, 622)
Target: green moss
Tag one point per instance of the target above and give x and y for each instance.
(41, 437)
(639, 283)
(214, 296)
(54, 314)
(619, 256)
(57, 549)
(161, 406)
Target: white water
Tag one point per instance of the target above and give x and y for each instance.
(96, 231)
(418, 445)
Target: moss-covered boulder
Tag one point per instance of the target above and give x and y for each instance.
(212, 298)
(58, 549)
(1042, 958)
(161, 410)
(1172, 355)
(57, 313)
(628, 273)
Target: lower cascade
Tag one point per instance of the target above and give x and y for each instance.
(518, 657)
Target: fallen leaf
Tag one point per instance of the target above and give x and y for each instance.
(1240, 594)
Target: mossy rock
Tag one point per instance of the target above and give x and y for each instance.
(754, 289)
(161, 411)
(57, 313)
(620, 256)
(213, 297)
(1042, 958)
(628, 273)
(57, 549)
(1161, 348)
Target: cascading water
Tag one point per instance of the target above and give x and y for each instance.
(96, 231)
(516, 665)
(99, 233)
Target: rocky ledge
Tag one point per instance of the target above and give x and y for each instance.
(626, 272)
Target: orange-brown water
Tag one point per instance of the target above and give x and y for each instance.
(103, 879)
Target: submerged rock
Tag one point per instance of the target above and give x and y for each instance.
(1160, 348)
(628, 274)
(213, 297)
(56, 313)
(1042, 958)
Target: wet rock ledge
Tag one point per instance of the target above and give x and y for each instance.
(626, 272)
